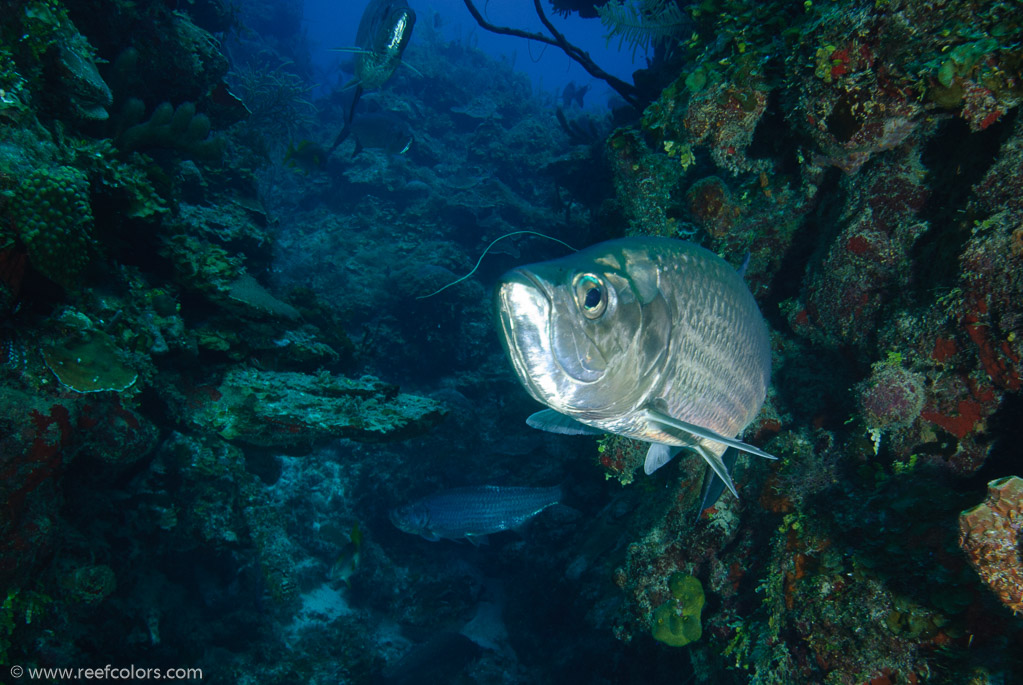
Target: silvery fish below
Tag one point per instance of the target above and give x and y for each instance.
(651, 338)
(473, 512)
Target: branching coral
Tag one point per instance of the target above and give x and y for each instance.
(276, 97)
(990, 536)
(557, 39)
(640, 24)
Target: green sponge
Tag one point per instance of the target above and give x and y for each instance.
(677, 621)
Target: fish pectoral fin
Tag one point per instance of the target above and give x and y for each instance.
(360, 51)
(713, 486)
(720, 469)
(658, 455)
(414, 70)
(556, 422)
(701, 432)
(430, 535)
(478, 540)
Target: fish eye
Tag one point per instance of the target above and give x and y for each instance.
(590, 295)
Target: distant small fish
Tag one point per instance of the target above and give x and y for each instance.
(651, 338)
(307, 157)
(473, 512)
(348, 559)
(573, 93)
(383, 34)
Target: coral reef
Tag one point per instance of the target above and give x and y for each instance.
(287, 409)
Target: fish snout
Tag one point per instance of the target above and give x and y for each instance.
(399, 517)
(523, 312)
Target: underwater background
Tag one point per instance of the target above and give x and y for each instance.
(222, 370)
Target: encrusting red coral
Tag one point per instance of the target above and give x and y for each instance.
(989, 534)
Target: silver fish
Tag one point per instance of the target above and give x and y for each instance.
(383, 34)
(473, 512)
(651, 338)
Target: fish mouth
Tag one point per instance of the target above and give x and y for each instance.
(524, 303)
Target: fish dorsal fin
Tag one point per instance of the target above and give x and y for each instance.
(701, 432)
(658, 455)
(556, 422)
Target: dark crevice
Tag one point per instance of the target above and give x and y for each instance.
(1003, 457)
(956, 160)
(774, 139)
(809, 245)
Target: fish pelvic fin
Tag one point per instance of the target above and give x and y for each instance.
(556, 422)
(658, 455)
(674, 424)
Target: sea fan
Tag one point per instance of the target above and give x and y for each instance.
(641, 22)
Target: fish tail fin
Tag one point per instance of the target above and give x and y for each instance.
(718, 465)
(713, 486)
(341, 137)
(346, 130)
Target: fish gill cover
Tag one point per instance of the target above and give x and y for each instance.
(218, 378)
